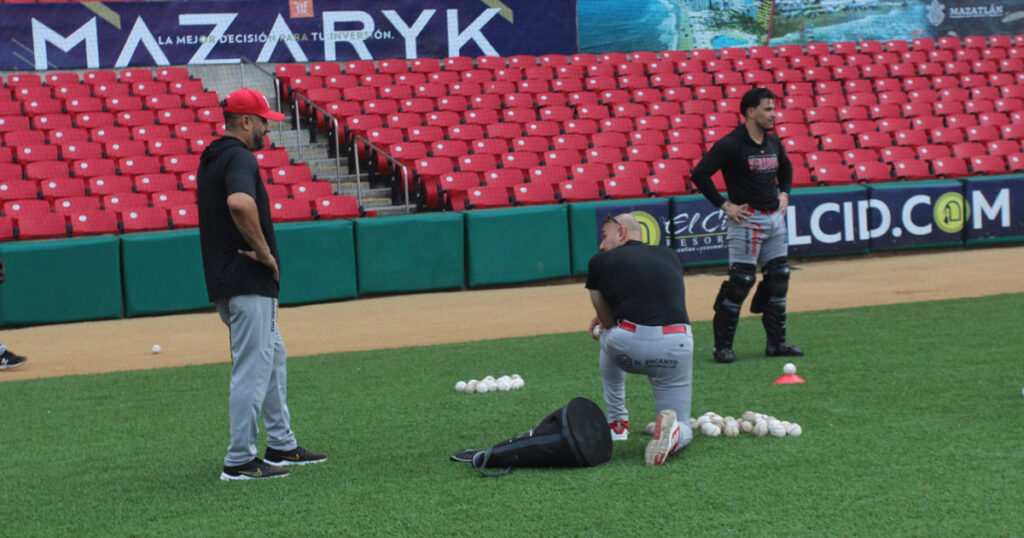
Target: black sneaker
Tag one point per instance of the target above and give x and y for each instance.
(299, 456)
(256, 468)
(10, 360)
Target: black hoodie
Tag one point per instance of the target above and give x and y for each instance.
(751, 170)
(226, 167)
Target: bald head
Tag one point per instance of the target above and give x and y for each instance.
(619, 229)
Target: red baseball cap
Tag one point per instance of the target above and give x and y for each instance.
(249, 101)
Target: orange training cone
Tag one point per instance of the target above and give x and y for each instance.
(789, 379)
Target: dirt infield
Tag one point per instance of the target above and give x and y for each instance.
(446, 317)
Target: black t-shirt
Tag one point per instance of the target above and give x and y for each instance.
(226, 167)
(642, 283)
(754, 173)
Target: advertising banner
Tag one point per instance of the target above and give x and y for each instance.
(121, 34)
(995, 208)
(698, 231)
(916, 214)
(630, 25)
(828, 221)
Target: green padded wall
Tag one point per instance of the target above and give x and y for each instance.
(162, 272)
(410, 253)
(317, 261)
(517, 245)
(60, 280)
(585, 231)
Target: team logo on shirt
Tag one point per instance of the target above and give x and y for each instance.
(763, 163)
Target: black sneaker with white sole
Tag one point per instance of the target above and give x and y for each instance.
(10, 360)
(298, 456)
(253, 470)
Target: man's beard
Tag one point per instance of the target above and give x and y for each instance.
(258, 143)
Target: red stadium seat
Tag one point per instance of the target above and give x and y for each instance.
(103, 185)
(988, 164)
(18, 189)
(144, 218)
(337, 207)
(186, 216)
(667, 185)
(155, 182)
(872, 172)
(40, 225)
(578, 191)
(291, 174)
(833, 174)
(487, 197)
(174, 198)
(532, 194)
(623, 187)
(290, 210)
(949, 167)
(92, 222)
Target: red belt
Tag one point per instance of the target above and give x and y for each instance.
(754, 211)
(665, 329)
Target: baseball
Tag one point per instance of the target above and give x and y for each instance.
(515, 376)
(760, 428)
(597, 331)
(746, 426)
(711, 430)
(649, 429)
(785, 425)
(749, 415)
(488, 379)
(732, 429)
(693, 423)
(776, 429)
(518, 383)
(703, 420)
(460, 386)
(471, 386)
(157, 348)
(794, 430)
(482, 387)
(789, 368)
(504, 385)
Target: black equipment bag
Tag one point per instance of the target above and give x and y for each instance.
(576, 435)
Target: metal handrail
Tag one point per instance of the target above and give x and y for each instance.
(296, 97)
(405, 169)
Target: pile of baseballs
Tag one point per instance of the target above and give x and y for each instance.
(712, 424)
(504, 383)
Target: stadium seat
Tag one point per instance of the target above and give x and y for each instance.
(290, 210)
(337, 207)
(578, 191)
(949, 167)
(144, 218)
(40, 225)
(988, 164)
(155, 182)
(487, 197)
(622, 187)
(92, 222)
(103, 185)
(532, 194)
(173, 198)
(186, 216)
(872, 172)
(667, 185)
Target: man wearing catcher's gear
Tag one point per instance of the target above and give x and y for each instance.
(758, 177)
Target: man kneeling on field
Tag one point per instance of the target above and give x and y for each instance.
(637, 291)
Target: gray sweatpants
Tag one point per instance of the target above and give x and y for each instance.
(259, 377)
(758, 240)
(666, 359)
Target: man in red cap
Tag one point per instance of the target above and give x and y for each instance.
(241, 263)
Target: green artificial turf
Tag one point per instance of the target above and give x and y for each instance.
(912, 419)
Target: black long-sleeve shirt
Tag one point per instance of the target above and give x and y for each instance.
(752, 171)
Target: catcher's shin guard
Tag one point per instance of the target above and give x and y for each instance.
(728, 303)
(775, 286)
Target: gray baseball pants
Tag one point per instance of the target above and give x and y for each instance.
(666, 359)
(758, 240)
(259, 377)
